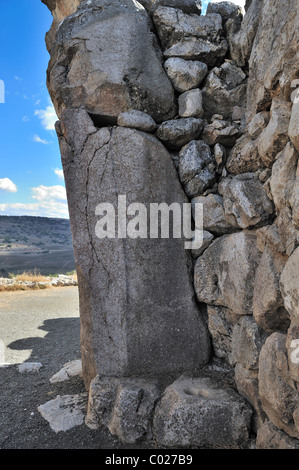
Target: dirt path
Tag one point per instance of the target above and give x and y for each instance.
(41, 326)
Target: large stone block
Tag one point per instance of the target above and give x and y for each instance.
(204, 50)
(124, 406)
(185, 75)
(92, 68)
(198, 412)
(268, 306)
(221, 323)
(173, 25)
(225, 268)
(196, 168)
(246, 203)
(247, 341)
(213, 214)
(289, 283)
(294, 125)
(273, 63)
(244, 156)
(137, 304)
(283, 176)
(225, 87)
(270, 437)
(278, 392)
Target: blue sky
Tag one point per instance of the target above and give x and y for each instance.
(31, 179)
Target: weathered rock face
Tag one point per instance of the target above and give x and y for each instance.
(203, 401)
(173, 25)
(268, 307)
(225, 88)
(277, 390)
(224, 269)
(273, 63)
(113, 403)
(88, 69)
(137, 301)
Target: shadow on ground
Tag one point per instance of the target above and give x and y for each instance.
(21, 425)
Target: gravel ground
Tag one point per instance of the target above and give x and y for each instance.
(41, 326)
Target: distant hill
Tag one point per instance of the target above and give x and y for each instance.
(41, 243)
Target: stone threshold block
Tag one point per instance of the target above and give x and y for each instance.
(124, 405)
(198, 412)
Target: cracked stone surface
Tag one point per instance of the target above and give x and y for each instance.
(64, 412)
(138, 311)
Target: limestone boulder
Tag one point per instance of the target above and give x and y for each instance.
(204, 50)
(269, 236)
(185, 75)
(221, 132)
(244, 156)
(283, 176)
(178, 132)
(288, 234)
(214, 219)
(196, 167)
(275, 136)
(220, 157)
(272, 63)
(225, 268)
(221, 322)
(289, 283)
(122, 405)
(270, 437)
(198, 412)
(294, 125)
(247, 385)
(241, 35)
(137, 120)
(89, 70)
(247, 341)
(246, 203)
(190, 104)
(278, 392)
(268, 306)
(225, 88)
(62, 8)
(226, 10)
(292, 345)
(258, 124)
(173, 25)
(294, 200)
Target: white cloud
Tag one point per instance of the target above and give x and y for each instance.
(25, 119)
(44, 209)
(19, 79)
(59, 173)
(49, 193)
(50, 201)
(7, 185)
(39, 140)
(48, 117)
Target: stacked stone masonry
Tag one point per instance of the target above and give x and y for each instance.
(198, 108)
